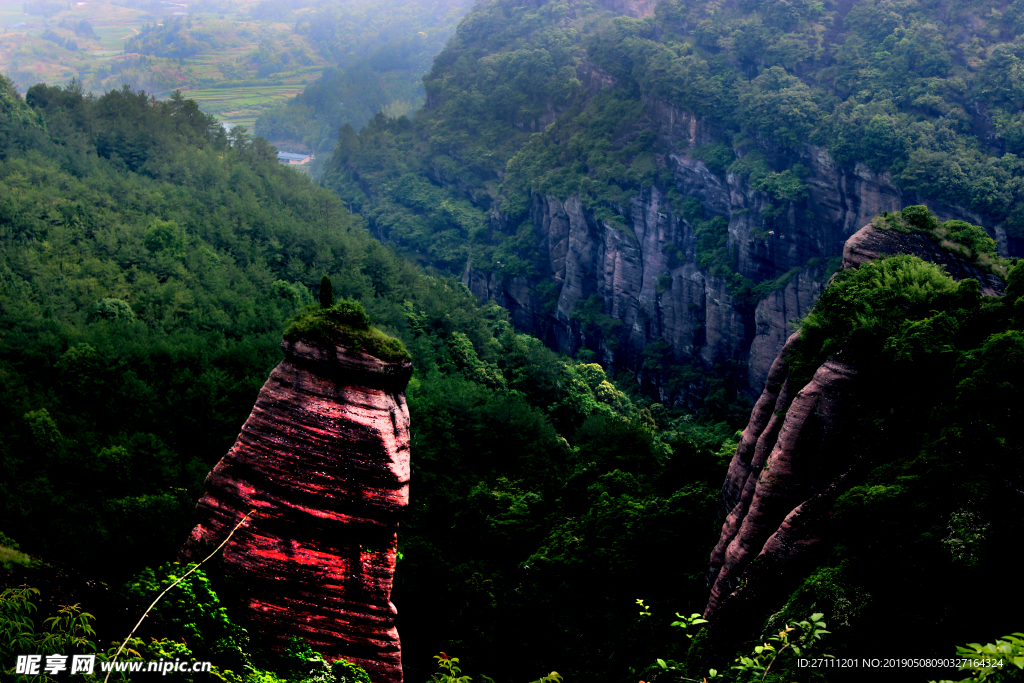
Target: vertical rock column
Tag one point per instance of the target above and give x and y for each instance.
(323, 460)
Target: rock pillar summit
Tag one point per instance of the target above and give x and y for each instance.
(323, 461)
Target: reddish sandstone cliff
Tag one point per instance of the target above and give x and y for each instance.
(786, 472)
(772, 473)
(324, 461)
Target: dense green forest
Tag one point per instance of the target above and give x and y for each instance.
(924, 91)
(150, 263)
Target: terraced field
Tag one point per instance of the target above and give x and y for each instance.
(100, 62)
(241, 60)
(240, 105)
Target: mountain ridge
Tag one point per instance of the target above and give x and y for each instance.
(667, 119)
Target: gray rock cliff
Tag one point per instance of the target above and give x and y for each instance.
(647, 276)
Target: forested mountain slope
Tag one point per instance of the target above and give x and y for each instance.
(148, 264)
(671, 183)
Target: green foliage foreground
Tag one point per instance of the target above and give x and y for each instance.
(195, 608)
(191, 612)
(800, 639)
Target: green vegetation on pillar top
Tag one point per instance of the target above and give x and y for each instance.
(345, 324)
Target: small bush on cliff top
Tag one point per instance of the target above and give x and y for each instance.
(959, 237)
(347, 324)
(862, 308)
(348, 313)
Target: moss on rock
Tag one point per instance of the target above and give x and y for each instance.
(345, 323)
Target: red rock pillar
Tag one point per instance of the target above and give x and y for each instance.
(324, 461)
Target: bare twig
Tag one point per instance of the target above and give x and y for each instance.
(183, 577)
(778, 654)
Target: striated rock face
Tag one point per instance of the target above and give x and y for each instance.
(774, 316)
(647, 275)
(790, 465)
(768, 481)
(323, 460)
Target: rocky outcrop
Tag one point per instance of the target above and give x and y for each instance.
(322, 464)
(775, 314)
(791, 463)
(645, 269)
(771, 476)
(870, 242)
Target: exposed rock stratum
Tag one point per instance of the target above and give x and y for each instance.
(788, 469)
(323, 461)
(646, 272)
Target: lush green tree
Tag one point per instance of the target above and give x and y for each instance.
(326, 292)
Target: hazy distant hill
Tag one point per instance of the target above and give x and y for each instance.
(386, 78)
(235, 57)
